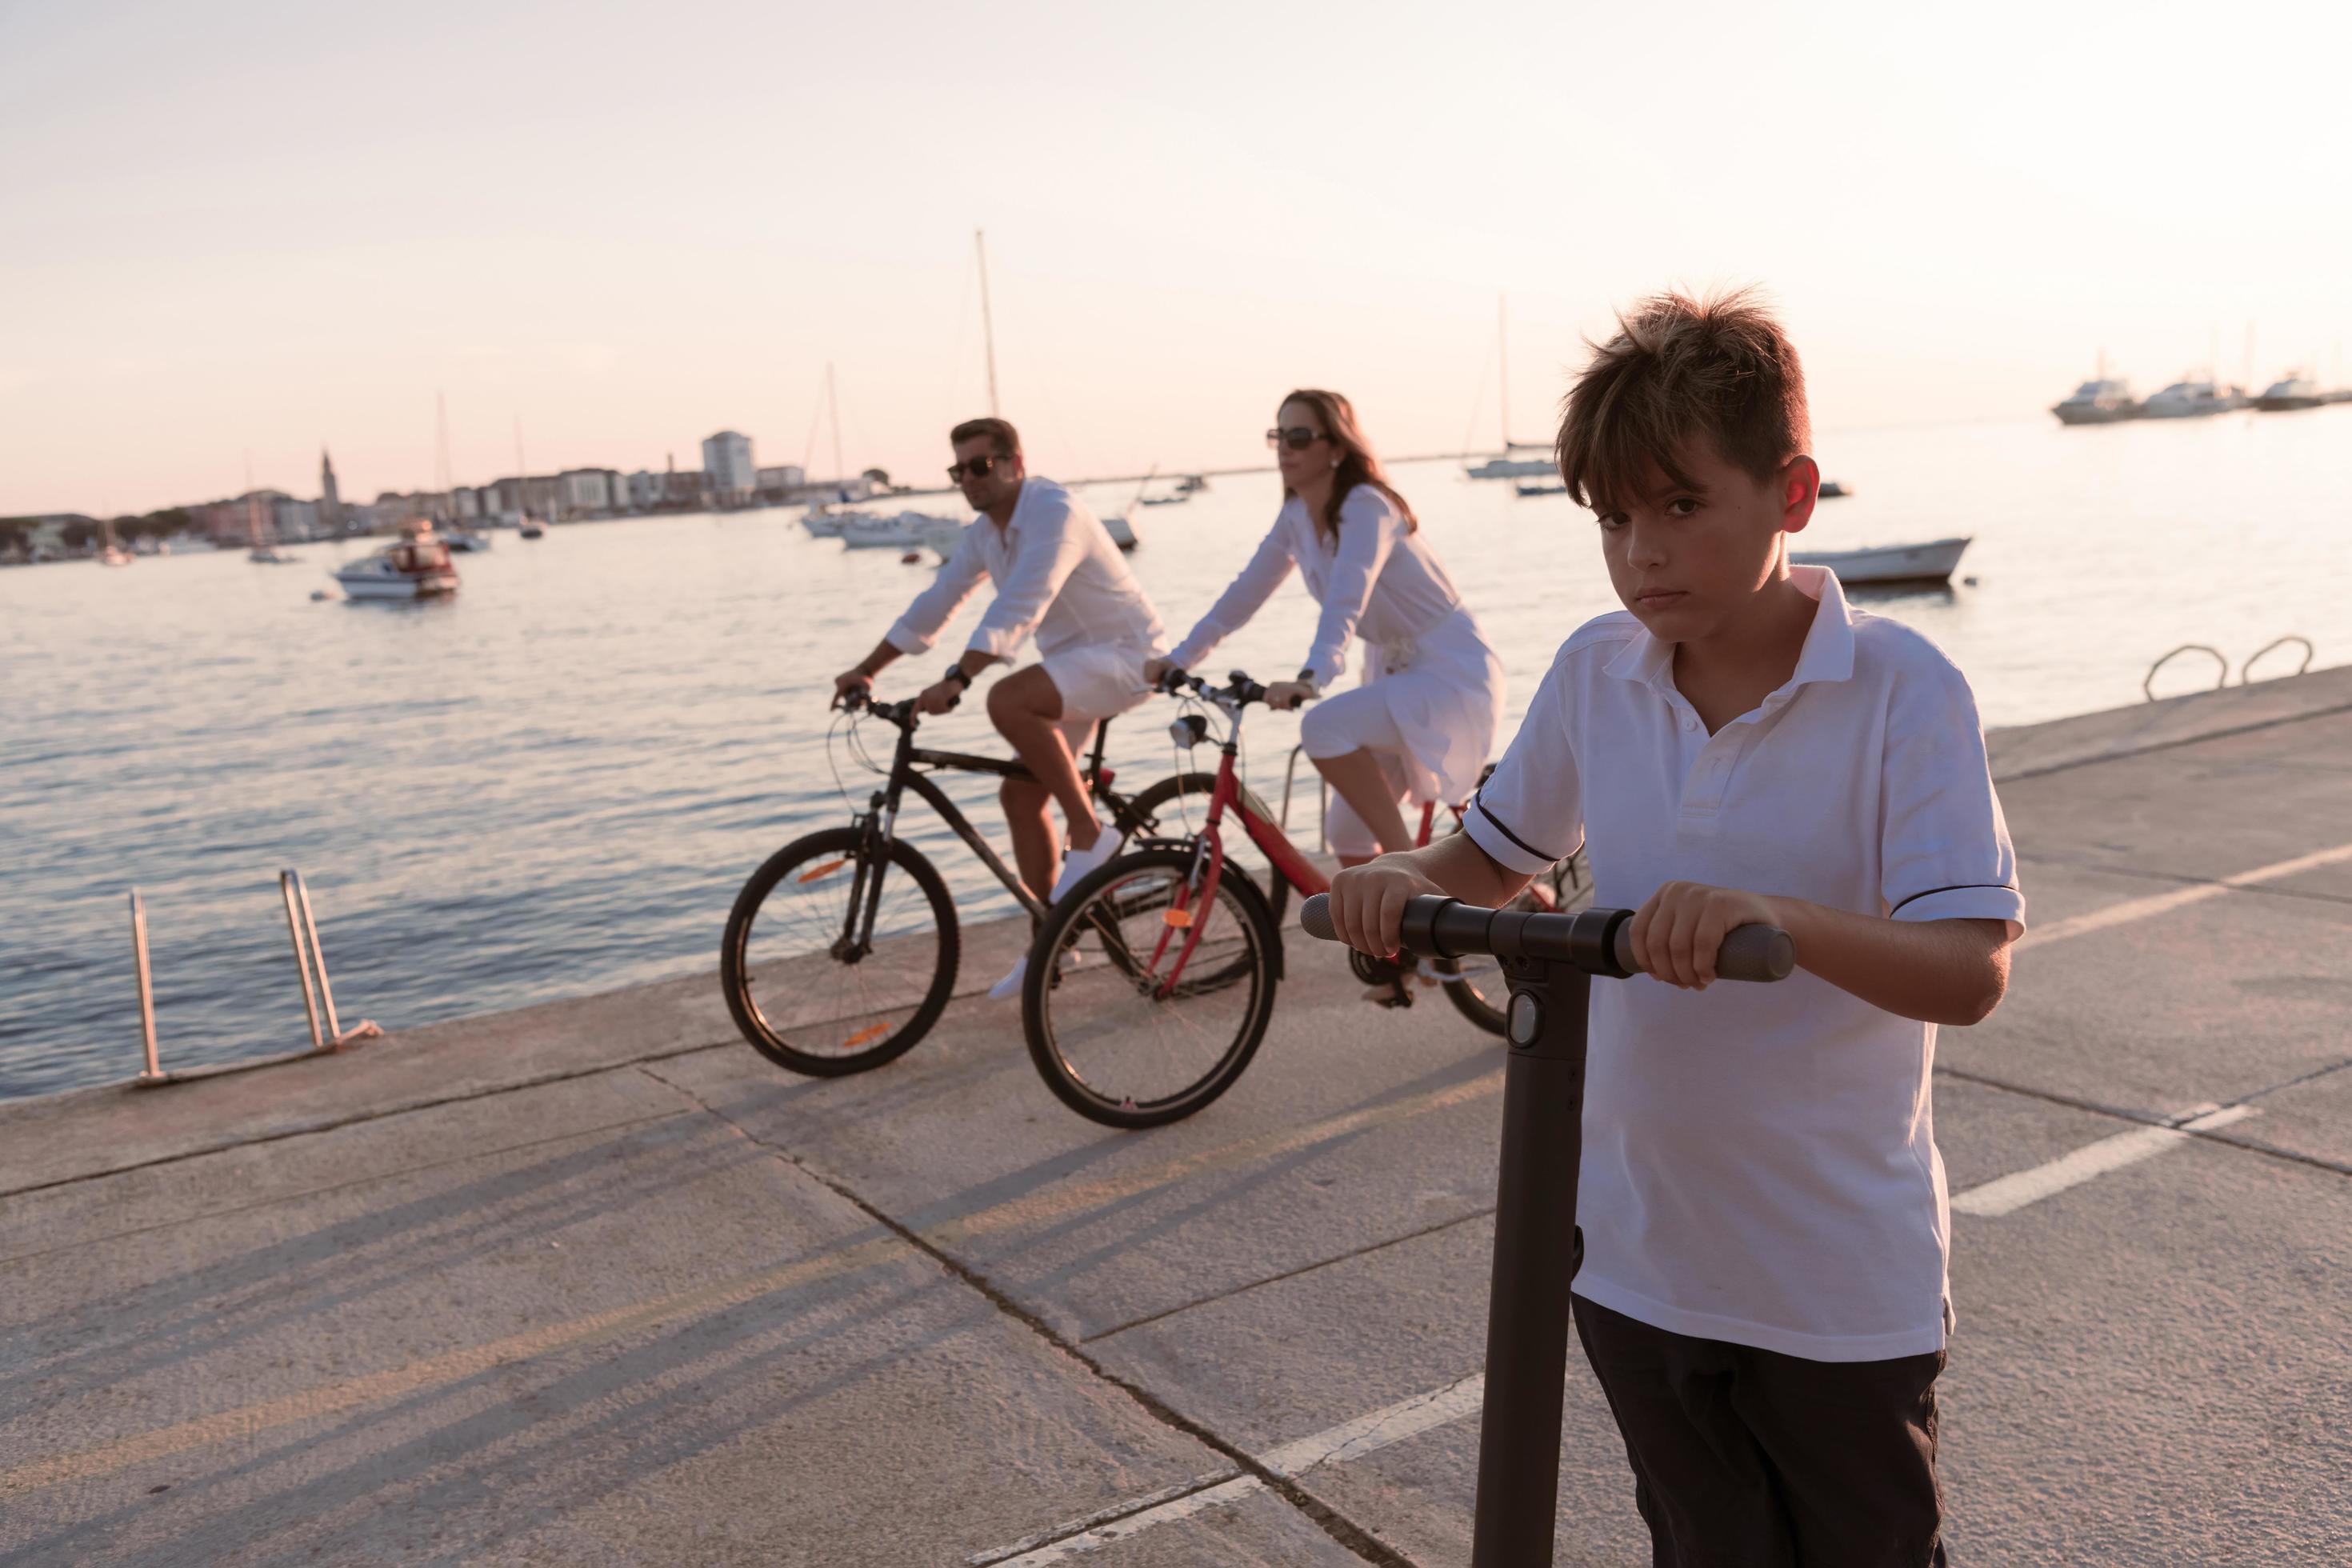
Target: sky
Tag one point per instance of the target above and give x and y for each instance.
(241, 232)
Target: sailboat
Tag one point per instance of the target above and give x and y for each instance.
(258, 552)
(529, 525)
(111, 554)
(1507, 466)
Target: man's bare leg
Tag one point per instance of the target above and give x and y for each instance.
(1365, 786)
(1026, 708)
(1037, 846)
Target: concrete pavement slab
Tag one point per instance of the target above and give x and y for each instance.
(2156, 1367)
(599, 1348)
(2206, 1004)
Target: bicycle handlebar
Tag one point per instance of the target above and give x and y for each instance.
(1599, 941)
(1239, 689)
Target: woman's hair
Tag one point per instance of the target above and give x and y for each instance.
(1358, 466)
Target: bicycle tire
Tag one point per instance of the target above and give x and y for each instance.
(1571, 885)
(865, 1049)
(1154, 801)
(1048, 1037)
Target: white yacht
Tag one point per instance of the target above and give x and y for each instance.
(822, 522)
(908, 530)
(2294, 392)
(2191, 399)
(2100, 402)
(418, 567)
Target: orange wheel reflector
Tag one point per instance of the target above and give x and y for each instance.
(827, 869)
(1180, 919)
(862, 1036)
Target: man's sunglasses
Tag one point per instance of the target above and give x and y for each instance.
(1299, 437)
(977, 468)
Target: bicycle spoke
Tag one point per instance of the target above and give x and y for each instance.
(804, 990)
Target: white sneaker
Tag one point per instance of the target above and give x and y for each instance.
(1006, 989)
(1079, 864)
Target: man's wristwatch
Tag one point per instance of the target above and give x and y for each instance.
(955, 673)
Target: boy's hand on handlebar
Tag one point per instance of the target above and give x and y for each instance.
(1368, 902)
(1677, 934)
(1286, 694)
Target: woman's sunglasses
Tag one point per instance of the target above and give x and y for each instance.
(1299, 437)
(978, 467)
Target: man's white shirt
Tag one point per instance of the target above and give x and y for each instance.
(1759, 1161)
(1059, 578)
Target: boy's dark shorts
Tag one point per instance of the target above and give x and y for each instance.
(1751, 1459)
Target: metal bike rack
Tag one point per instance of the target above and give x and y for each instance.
(1549, 960)
(2309, 653)
(2147, 682)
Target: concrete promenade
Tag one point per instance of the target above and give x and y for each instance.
(591, 1283)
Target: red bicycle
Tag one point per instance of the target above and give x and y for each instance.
(1151, 981)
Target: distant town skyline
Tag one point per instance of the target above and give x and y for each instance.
(238, 229)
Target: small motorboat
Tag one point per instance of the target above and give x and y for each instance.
(270, 555)
(531, 528)
(1192, 484)
(466, 540)
(418, 567)
(1930, 562)
(1121, 531)
(1539, 487)
(1507, 468)
(821, 523)
(1833, 489)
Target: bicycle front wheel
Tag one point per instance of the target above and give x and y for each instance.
(818, 986)
(1141, 1006)
(1176, 807)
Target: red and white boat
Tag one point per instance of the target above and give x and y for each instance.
(418, 567)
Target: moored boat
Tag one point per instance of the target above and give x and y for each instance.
(1507, 468)
(2104, 401)
(2294, 392)
(2192, 399)
(906, 530)
(417, 567)
(1932, 561)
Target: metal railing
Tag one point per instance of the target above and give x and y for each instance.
(327, 1032)
(2245, 677)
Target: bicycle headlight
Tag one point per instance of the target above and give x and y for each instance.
(1190, 730)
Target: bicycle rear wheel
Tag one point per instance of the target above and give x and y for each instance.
(814, 993)
(1475, 984)
(1122, 1032)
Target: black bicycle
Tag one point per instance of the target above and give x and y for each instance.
(841, 950)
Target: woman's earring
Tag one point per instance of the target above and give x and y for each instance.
(1335, 462)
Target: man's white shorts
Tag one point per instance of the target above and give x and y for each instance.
(1095, 683)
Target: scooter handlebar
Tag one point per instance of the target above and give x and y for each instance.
(1599, 941)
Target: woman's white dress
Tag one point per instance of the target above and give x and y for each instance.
(1426, 662)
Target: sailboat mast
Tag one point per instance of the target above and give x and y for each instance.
(833, 406)
(1503, 363)
(441, 447)
(987, 322)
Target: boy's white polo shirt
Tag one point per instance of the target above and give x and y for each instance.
(1759, 1161)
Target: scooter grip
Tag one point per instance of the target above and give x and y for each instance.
(1749, 953)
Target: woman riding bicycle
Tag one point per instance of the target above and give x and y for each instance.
(1423, 721)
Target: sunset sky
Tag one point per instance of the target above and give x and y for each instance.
(245, 227)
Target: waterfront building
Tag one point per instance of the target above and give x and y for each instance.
(782, 480)
(726, 459)
(584, 490)
(465, 503)
(295, 520)
(646, 489)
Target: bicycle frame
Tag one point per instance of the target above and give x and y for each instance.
(880, 821)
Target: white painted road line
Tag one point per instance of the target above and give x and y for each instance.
(2132, 909)
(1333, 1446)
(1118, 1511)
(2012, 1193)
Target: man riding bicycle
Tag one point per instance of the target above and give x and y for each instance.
(1059, 578)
